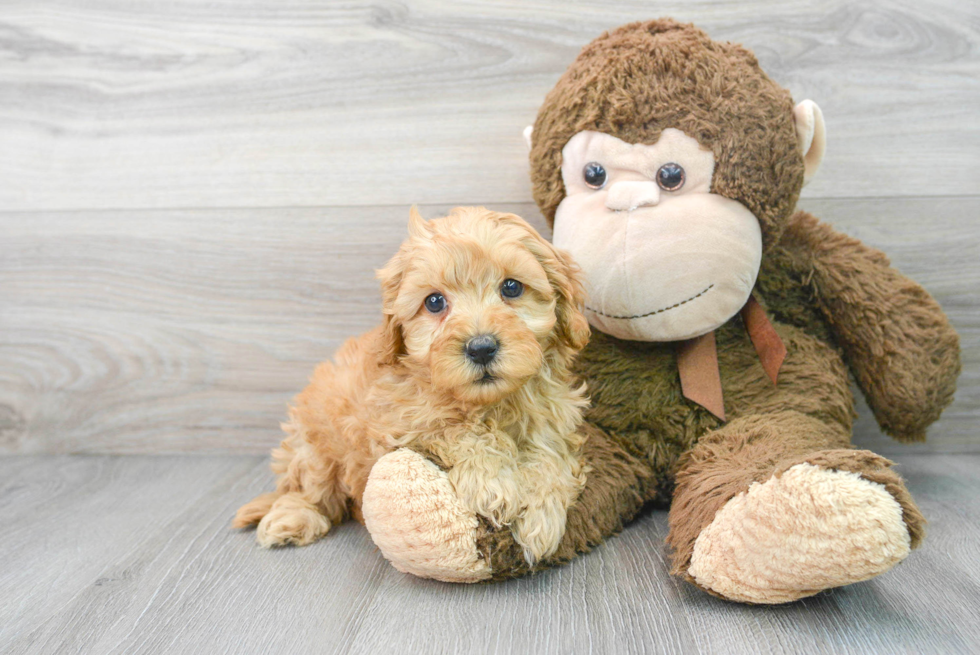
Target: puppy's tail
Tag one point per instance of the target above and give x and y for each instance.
(252, 512)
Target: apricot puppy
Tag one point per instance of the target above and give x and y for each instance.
(470, 366)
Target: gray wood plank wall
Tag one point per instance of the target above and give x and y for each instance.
(193, 195)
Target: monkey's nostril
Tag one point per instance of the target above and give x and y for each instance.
(482, 349)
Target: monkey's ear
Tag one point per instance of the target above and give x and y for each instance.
(417, 227)
(527, 136)
(811, 134)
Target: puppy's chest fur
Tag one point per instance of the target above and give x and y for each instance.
(536, 417)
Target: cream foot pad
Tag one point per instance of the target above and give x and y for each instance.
(793, 536)
(415, 518)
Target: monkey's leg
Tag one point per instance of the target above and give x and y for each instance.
(773, 508)
(421, 527)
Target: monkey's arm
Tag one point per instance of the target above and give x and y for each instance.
(898, 342)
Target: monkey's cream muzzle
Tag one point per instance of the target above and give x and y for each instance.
(660, 265)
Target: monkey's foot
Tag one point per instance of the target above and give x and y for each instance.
(417, 521)
(799, 533)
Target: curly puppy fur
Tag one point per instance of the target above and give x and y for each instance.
(506, 431)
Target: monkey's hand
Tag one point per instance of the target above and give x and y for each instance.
(897, 340)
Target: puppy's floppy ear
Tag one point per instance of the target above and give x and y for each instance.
(566, 279)
(393, 343)
(391, 277)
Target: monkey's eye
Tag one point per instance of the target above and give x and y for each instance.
(435, 303)
(511, 289)
(670, 177)
(594, 174)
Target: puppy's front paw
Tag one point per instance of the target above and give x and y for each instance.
(488, 489)
(539, 529)
(291, 521)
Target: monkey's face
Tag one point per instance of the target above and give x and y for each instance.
(664, 258)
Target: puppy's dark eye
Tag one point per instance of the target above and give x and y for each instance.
(511, 289)
(670, 177)
(594, 174)
(435, 303)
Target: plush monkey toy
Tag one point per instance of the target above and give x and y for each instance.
(726, 323)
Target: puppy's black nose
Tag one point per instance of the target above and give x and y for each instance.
(482, 349)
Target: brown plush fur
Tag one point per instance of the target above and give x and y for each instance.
(836, 303)
(753, 449)
(506, 432)
(895, 337)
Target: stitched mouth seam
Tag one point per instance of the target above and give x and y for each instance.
(659, 311)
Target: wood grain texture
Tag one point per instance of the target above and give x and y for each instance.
(189, 331)
(134, 555)
(112, 104)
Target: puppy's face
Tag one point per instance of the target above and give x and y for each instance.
(477, 301)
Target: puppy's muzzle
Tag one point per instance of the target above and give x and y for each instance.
(482, 349)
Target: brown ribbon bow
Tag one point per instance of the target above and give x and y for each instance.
(697, 359)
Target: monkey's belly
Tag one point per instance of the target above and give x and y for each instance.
(636, 392)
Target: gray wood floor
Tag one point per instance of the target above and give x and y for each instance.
(193, 197)
(106, 554)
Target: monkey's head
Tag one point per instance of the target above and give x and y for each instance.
(667, 163)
